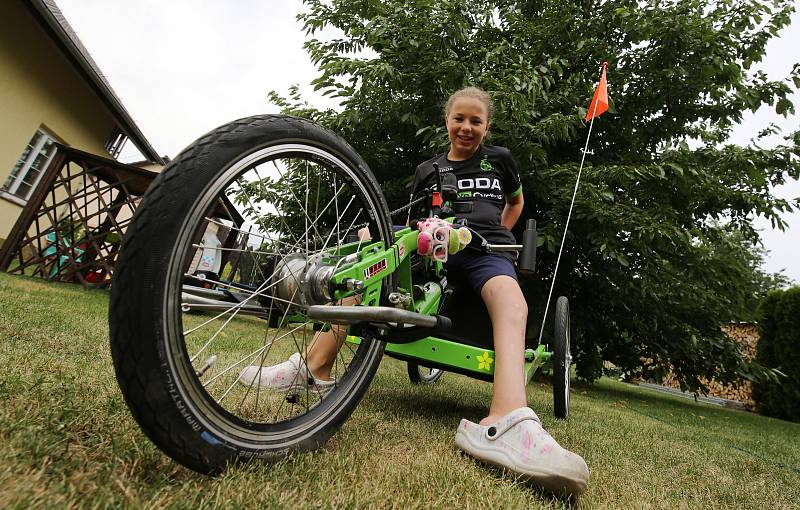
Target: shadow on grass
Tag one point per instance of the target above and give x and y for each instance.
(660, 403)
(416, 403)
(503, 474)
(436, 406)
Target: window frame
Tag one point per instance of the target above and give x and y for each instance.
(10, 191)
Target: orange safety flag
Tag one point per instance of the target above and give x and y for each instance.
(599, 102)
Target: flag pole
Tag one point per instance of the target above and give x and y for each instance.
(569, 215)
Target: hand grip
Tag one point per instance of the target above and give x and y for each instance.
(527, 259)
(443, 323)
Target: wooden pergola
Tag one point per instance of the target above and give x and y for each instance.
(71, 228)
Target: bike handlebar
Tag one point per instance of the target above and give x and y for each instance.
(496, 248)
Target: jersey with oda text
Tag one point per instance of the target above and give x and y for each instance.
(485, 181)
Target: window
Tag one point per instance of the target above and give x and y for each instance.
(31, 164)
(116, 142)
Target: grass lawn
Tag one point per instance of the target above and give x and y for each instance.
(67, 439)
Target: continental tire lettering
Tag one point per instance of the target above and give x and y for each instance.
(250, 454)
(176, 398)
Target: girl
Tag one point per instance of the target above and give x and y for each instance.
(511, 434)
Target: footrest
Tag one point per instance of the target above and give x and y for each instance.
(373, 314)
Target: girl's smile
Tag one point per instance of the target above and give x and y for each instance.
(467, 124)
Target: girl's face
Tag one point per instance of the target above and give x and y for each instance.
(467, 124)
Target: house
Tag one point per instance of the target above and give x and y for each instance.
(52, 94)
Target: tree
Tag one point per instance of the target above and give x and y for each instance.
(779, 347)
(661, 248)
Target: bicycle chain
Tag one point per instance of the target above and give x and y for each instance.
(409, 206)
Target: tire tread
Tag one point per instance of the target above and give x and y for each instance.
(136, 357)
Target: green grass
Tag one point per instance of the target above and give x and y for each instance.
(67, 439)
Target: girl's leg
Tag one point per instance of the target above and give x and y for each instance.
(319, 358)
(321, 354)
(509, 313)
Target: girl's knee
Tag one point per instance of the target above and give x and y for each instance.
(519, 308)
(339, 331)
(523, 309)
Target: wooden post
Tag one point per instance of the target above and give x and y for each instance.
(25, 219)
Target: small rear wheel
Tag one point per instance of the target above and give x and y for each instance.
(419, 374)
(562, 359)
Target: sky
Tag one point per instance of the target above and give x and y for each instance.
(185, 67)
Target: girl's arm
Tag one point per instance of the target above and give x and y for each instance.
(512, 211)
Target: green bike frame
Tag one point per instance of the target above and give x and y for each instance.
(375, 262)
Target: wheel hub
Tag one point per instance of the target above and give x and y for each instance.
(298, 281)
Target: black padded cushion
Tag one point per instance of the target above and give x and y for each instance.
(471, 322)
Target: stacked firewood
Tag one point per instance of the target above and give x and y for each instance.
(746, 333)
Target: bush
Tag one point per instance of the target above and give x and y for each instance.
(779, 348)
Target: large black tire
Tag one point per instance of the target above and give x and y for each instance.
(419, 374)
(156, 360)
(562, 359)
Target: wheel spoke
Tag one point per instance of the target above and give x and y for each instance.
(305, 213)
(237, 307)
(264, 354)
(283, 199)
(293, 208)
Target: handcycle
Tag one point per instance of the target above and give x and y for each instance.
(293, 194)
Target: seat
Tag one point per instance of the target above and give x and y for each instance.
(462, 305)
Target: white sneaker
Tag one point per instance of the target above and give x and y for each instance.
(518, 442)
(292, 374)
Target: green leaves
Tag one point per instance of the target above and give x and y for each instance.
(661, 248)
(777, 393)
(784, 107)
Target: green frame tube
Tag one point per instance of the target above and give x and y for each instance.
(374, 264)
(462, 358)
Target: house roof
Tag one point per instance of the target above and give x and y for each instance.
(55, 24)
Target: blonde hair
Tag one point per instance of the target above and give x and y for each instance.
(474, 93)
